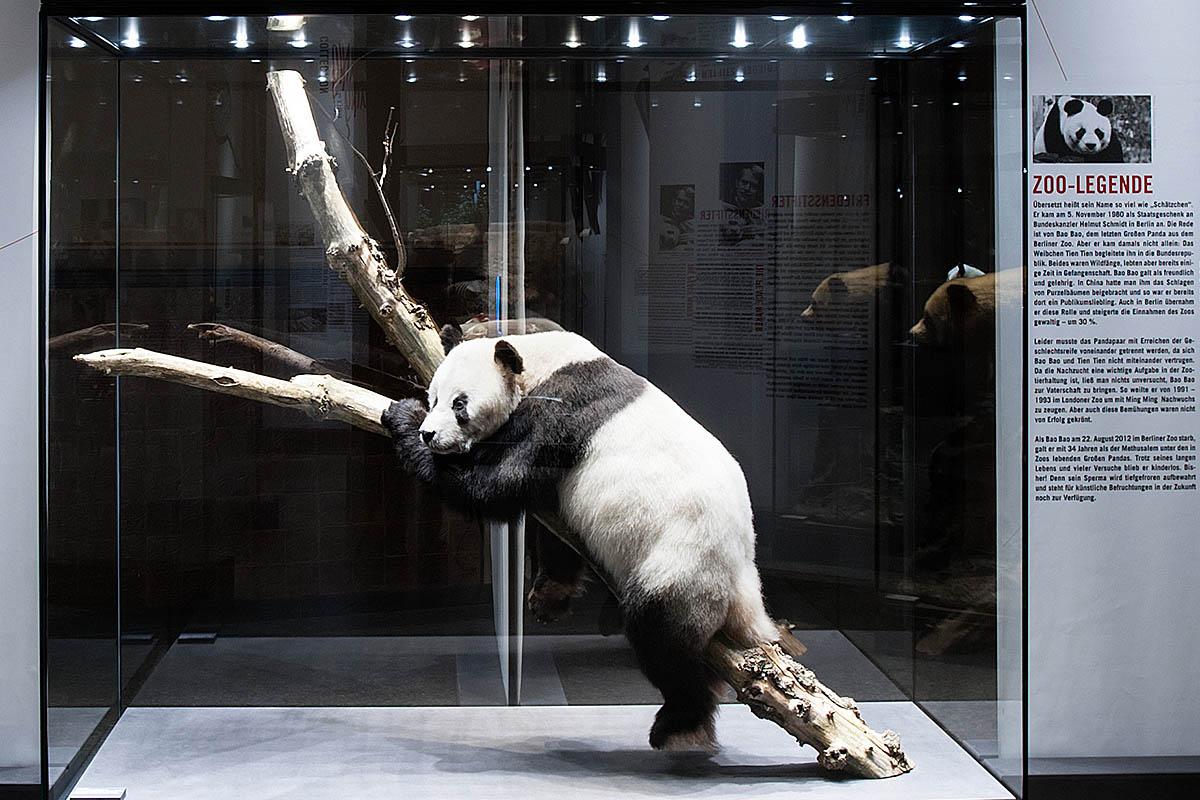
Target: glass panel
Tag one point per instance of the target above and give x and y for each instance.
(752, 212)
(273, 538)
(81, 521)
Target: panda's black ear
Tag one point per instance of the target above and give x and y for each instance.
(452, 334)
(1073, 106)
(1105, 106)
(508, 359)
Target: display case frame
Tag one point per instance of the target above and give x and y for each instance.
(61, 12)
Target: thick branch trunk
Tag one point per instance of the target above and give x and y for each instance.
(353, 254)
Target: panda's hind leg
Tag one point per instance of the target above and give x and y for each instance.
(669, 633)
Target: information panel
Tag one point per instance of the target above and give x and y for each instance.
(1113, 544)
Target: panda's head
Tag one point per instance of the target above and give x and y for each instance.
(473, 393)
(1085, 127)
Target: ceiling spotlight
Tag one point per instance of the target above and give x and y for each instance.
(829, 77)
(691, 75)
(412, 78)
(470, 17)
(740, 39)
(216, 19)
(593, 19)
(407, 43)
(962, 76)
(601, 75)
(904, 42)
(76, 42)
(739, 76)
(241, 39)
(635, 38)
(958, 45)
(403, 17)
(465, 41)
(966, 18)
(778, 18)
(572, 43)
(846, 18)
(799, 38)
(660, 17)
(298, 40)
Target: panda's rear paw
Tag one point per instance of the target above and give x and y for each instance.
(549, 600)
(682, 732)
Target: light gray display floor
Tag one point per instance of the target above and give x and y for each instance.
(526, 752)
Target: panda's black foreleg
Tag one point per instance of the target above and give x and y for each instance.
(669, 637)
(403, 420)
(558, 575)
(493, 488)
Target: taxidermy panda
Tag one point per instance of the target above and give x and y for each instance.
(546, 421)
(1079, 131)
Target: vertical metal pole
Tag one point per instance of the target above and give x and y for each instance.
(506, 296)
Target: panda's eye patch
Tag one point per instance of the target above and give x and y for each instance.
(1079, 133)
(1099, 133)
(459, 404)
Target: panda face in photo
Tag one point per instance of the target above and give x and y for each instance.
(1086, 128)
(472, 394)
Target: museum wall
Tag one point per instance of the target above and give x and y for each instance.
(19, 695)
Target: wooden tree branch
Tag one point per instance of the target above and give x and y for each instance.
(319, 396)
(293, 360)
(775, 686)
(353, 254)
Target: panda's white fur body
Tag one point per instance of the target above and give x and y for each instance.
(548, 421)
(658, 499)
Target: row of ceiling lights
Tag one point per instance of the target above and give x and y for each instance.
(797, 39)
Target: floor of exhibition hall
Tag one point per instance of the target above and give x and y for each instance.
(214, 719)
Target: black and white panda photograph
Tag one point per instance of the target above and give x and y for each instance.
(1091, 129)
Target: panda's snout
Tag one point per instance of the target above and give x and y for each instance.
(427, 436)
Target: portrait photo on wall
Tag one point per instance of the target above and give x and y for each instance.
(742, 185)
(1091, 129)
(675, 225)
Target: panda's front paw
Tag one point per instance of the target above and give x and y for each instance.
(404, 417)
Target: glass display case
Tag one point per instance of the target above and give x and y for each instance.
(804, 226)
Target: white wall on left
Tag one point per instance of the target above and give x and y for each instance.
(20, 698)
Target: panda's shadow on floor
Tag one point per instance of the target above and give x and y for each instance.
(568, 758)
